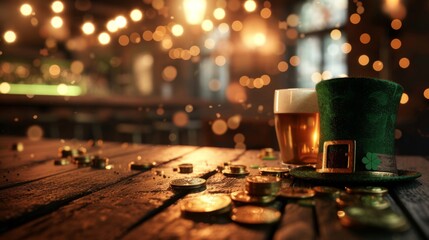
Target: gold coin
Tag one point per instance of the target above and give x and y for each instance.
(243, 197)
(99, 162)
(188, 183)
(228, 173)
(274, 171)
(367, 217)
(255, 215)
(140, 166)
(186, 168)
(18, 146)
(262, 185)
(326, 191)
(367, 190)
(237, 168)
(296, 192)
(206, 204)
(62, 161)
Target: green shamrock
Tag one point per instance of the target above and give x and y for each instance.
(371, 161)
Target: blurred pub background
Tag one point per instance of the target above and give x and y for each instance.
(199, 72)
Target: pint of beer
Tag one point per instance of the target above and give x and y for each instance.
(296, 120)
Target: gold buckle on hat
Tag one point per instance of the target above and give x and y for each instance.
(338, 156)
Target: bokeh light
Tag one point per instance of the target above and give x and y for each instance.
(265, 13)
(378, 65)
(425, 93)
(346, 48)
(404, 98)
(335, 34)
(282, 66)
(207, 25)
(35, 133)
(294, 61)
(219, 13)
(396, 24)
(363, 60)
(4, 87)
(26, 9)
(104, 38)
(9, 36)
(57, 22)
(355, 18)
(57, 7)
(136, 15)
(395, 43)
(237, 26)
(169, 73)
(365, 38)
(404, 62)
(219, 127)
(250, 5)
(88, 28)
(177, 30)
(234, 122)
(180, 119)
(111, 26)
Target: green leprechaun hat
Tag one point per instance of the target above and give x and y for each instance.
(357, 125)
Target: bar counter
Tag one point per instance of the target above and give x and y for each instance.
(41, 200)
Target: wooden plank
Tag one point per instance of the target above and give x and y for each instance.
(170, 224)
(25, 202)
(413, 196)
(297, 223)
(109, 213)
(42, 169)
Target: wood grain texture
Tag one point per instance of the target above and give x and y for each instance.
(20, 203)
(414, 196)
(110, 212)
(297, 223)
(33, 170)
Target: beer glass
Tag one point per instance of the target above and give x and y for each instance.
(296, 119)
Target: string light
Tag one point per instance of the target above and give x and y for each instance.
(250, 5)
(88, 28)
(104, 38)
(9, 36)
(136, 15)
(57, 7)
(57, 22)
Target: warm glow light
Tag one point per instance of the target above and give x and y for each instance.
(26, 9)
(169, 73)
(316, 77)
(282, 66)
(425, 93)
(377, 66)
(355, 18)
(194, 11)
(104, 38)
(335, 34)
(395, 43)
(4, 87)
(346, 47)
(220, 60)
(207, 25)
(209, 43)
(88, 28)
(219, 127)
(265, 13)
(177, 30)
(120, 21)
(219, 13)
(57, 22)
(250, 5)
(9, 36)
(292, 20)
(166, 43)
(404, 98)
(123, 40)
(404, 62)
(76, 67)
(136, 15)
(57, 6)
(111, 26)
(363, 60)
(396, 24)
(259, 39)
(54, 70)
(237, 26)
(62, 89)
(365, 38)
(223, 28)
(294, 61)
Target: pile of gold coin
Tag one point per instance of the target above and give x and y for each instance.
(235, 170)
(244, 198)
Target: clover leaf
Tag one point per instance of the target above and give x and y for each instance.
(371, 161)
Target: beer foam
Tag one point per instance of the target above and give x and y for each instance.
(295, 100)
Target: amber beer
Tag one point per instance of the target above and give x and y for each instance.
(296, 120)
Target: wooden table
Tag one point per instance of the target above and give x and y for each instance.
(39, 200)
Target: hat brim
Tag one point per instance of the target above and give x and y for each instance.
(309, 174)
